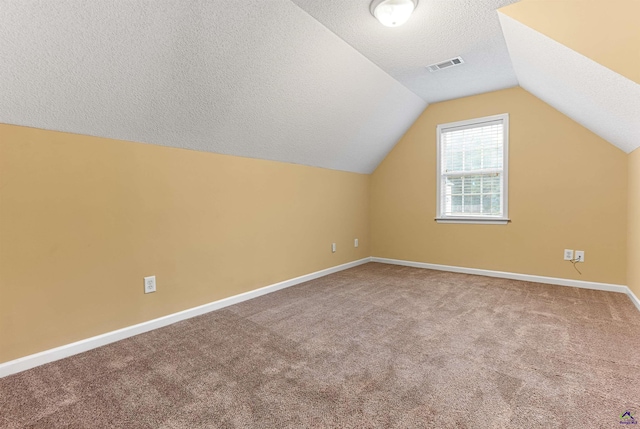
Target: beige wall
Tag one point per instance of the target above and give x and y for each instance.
(633, 234)
(83, 219)
(567, 189)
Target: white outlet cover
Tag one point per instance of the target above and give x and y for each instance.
(568, 254)
(149, 284)
(580, 255)
(355, 243)
(333, 247)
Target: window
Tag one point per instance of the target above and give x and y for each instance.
(472, 171)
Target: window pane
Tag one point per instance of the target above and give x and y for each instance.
(471, 204)
(456, 204)
(472, 184)
(490, 183)
(472, 195)
(472, 149)
(453, 160)
(491, 204)
(473, 159)
(486, 204)
(492, 157)
(495, 202)
(456, 184)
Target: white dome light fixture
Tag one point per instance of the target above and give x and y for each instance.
(393, 13)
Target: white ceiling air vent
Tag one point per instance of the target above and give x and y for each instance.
(446, 64)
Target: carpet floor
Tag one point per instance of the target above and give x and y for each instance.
(376, 346)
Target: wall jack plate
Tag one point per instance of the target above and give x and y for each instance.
(149, 284)
(568, 255)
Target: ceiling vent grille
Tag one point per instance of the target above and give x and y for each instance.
(446, 64)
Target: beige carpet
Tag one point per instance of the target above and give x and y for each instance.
(373, 346)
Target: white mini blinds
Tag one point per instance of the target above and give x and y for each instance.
(472, 170)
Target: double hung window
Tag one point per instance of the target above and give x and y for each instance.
(472, 171)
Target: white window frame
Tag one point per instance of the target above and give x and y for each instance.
(502, 220)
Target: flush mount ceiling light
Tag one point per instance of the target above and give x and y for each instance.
(393, 13)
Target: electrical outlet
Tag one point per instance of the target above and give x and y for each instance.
(568, 255)
(149, 284)
(355, 243)
(333, 247)
(580, 255)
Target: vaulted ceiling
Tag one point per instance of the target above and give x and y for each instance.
(319, 83)
(437, 31)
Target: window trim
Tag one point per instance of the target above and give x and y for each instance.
(504, 219)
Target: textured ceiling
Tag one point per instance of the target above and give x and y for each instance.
(319, 83)
(596, 97)
(438, 30)
(262, 79)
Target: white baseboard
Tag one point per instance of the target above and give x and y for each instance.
(634, 298)
(51, 355)
(515, 276)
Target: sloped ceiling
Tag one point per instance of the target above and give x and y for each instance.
(605, 31)
(318, 83)
(260, 79)
(583, 64)
(594, 96)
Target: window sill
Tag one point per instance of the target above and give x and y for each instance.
(476, 220)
